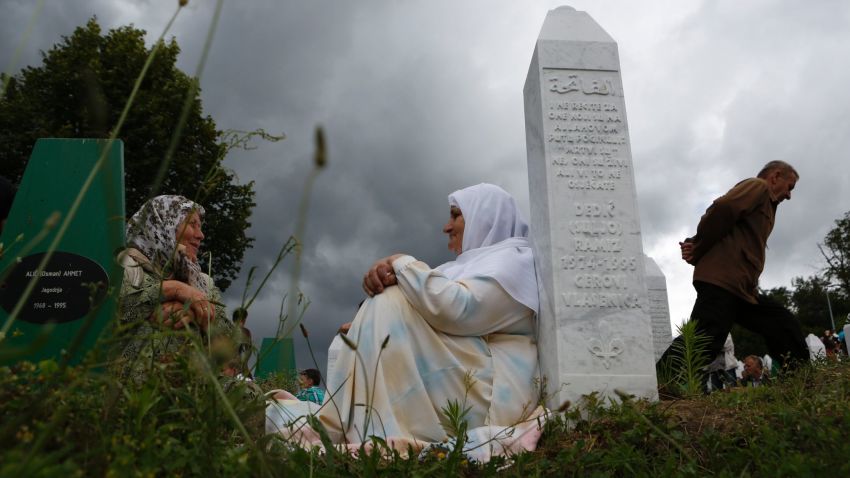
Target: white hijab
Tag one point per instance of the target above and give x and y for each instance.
(495, 243)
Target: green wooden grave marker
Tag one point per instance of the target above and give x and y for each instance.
(276, 355)
(75, 295)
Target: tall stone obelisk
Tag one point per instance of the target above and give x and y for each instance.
(595, 332)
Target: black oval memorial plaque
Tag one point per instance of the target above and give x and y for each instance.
(69, 286)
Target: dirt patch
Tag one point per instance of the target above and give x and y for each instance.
(698, 416)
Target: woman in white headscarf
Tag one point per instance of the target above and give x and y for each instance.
(461, 332)
(164, 288)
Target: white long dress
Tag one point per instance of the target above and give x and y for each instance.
(463, 332)
(465, 340)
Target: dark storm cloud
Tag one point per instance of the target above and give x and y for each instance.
(421, 98)
(392, 161)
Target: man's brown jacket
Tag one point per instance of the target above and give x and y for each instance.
(731, 239)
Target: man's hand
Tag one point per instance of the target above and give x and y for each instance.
(687, 251)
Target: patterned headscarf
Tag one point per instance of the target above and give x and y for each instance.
(153, 231)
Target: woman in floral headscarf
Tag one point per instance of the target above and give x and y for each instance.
(164, 287)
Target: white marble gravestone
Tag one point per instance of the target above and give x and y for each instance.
(659, 307)
(595, 332)
(816, 348)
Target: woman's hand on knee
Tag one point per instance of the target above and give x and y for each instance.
(204, 312)
(380, 275)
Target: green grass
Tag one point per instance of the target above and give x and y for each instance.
(77, 422)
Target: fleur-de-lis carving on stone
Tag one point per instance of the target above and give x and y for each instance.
(605, 347)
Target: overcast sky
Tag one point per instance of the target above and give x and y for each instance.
(420, 98)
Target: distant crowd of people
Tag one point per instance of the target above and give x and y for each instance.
(726, 371)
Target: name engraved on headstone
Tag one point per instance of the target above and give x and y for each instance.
(586, 137)
(602, 274)
(68, 287)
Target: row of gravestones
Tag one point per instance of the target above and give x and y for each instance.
(73, 295)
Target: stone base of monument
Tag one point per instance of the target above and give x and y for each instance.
(275, 356)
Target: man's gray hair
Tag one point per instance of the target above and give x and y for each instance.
(782, 166)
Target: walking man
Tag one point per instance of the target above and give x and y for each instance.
(728, 253)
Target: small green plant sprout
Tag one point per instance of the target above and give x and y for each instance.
(684, 371)
(456, 411)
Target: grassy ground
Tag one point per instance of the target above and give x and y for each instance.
(798, 426)
(73, 422)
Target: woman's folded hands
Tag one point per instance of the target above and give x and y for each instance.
(177, 296)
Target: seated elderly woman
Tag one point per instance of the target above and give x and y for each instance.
(463, 331)
(164, 287)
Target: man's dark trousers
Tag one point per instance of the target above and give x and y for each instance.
(717, 309)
